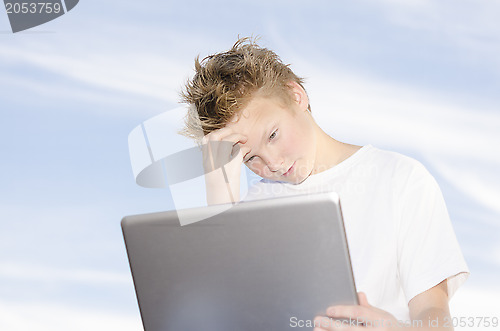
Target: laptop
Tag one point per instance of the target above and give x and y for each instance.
(270, 264)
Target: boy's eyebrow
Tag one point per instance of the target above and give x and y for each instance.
(264, 135)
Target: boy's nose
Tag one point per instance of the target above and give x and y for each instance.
(274, 163)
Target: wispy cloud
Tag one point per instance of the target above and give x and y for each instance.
(361, 106)
(475, 303)
(473, 26)
(44, 316)
(138, 73)
(479, 183)
(41, 273)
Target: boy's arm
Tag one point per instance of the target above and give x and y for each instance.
(222, 159)
(428, 311)
(431, 307)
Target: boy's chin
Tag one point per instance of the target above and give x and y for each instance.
(293, 179)
(282, 179)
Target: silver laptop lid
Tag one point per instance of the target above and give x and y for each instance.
(260, 265)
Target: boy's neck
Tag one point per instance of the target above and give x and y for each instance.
(330, 152)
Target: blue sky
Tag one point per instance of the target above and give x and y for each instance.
(417, 77)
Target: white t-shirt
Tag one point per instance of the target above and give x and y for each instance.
(399, 233)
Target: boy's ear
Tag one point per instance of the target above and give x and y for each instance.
(299, 95)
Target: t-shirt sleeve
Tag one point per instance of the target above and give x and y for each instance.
(428, 250)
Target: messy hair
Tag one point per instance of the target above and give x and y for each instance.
(225, 82)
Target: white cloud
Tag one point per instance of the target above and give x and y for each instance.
(475, 303)
(355, 105)
(471, 25)
(139, 73)
(42, 273)
(54, 317)
(481, 186)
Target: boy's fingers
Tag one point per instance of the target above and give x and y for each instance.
(220, 144)
(323, 323)
(363, 301)
(235, 138)
(220, 148)
(222, 133)
(361, 313)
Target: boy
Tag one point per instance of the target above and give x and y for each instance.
(247, 106)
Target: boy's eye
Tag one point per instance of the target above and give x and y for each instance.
(271, 137)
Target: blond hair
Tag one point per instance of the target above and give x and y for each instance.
(225, 82)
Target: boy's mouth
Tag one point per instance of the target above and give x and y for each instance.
(289, 170)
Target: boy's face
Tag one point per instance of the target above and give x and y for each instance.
(281, 144)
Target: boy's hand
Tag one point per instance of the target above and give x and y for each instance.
(222, 159)
(347, 317)
(426, 307)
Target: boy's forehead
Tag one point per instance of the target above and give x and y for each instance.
(250, 120)
(258, 113)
